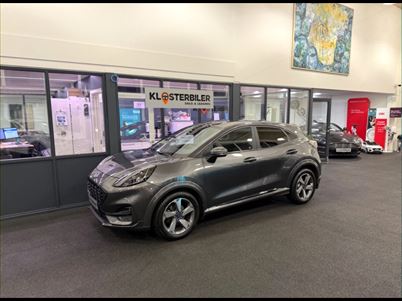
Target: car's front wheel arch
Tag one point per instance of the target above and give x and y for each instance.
(171, 188)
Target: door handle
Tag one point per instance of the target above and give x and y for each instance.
(250, 159)
(291, 151)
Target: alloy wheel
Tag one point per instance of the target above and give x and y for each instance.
(178, 216)
(305, 186)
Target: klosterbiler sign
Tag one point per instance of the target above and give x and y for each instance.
(178, 98)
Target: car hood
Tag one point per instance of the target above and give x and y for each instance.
(129, 161)
(341, 137)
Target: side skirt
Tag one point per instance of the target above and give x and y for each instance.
(262, 194)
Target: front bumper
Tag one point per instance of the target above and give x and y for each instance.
(354, 151)
(121, 208)
(104, 222)
(374, 151)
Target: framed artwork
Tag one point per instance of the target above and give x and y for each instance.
(322, 35)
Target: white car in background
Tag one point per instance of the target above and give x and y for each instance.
(371, 147)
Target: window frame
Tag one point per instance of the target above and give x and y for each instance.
(49, 120)
(204, 150)
(53, 155)
(289, 139)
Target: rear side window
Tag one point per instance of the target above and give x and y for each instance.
(237, 140)
(270, 137)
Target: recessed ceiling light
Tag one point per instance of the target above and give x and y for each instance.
(389, 3)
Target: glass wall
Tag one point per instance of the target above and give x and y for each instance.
(176, 119)
(221, 103)
(24, 128)
(133, 114)
(277, 99)
(251, 103)
(299, 106)
(77, 111)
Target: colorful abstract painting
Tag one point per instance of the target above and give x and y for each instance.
(322, 37)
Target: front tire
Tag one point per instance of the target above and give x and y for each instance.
(176, 216)
(303, 186)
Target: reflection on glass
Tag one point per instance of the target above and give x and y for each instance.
(221, 103)
(251, 102)
(299, 108)
(134, 119)
(77, 111)
(276, 104)
(24, 128)
(176, 119)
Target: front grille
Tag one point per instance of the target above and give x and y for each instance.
(96, 192)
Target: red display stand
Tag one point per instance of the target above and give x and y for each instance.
(358, 115)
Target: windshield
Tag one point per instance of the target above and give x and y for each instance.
(321, 127)
(335, 128)
(186, 141)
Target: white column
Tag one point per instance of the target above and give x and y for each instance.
(151, 125)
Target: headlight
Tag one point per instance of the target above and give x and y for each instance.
(135, 177)
(105, 160)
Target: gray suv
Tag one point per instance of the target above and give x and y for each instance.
(200, 169)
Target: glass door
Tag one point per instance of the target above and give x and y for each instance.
(321, 120)
(299, 108)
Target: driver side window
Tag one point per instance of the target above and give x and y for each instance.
(237, 140)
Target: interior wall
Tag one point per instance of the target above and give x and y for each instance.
(339, 105)
(248, 43)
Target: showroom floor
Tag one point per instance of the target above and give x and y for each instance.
(345, 243)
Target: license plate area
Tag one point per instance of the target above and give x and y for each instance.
(343, 150)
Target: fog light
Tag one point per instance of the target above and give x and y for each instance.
(120, 220)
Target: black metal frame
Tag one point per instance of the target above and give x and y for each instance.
(161, 80)
(328, 102)
(287, 114)
(49, 111)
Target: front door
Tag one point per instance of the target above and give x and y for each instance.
(236, 175)
(321, 119)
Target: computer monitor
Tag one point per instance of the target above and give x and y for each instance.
(10, 133)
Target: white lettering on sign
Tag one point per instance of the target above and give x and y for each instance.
(178, 98)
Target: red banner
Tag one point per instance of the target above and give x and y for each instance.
(380, 132)
(357, 116)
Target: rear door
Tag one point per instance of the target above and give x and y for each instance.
(276, 155)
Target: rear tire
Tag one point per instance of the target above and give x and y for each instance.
(303, 186)
(176, 216)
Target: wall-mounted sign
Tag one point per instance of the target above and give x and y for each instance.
(395, 112)
(178, 98)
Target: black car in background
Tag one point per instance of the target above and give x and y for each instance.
(341, 143)
(202, 168)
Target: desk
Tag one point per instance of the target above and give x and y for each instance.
(16, 150)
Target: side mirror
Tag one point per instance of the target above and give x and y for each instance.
(216, 152)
